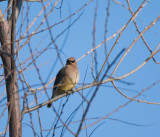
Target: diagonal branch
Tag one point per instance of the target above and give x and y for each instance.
(2, 19)
(146, 28)
(129, 8)
(132, 18)
(143, 101)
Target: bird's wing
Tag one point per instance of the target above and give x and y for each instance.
(59, 78)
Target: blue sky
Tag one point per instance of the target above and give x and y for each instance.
(135, 119)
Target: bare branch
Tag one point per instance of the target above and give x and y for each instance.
(121, 106)
(98, 46)
(106, 31)
(143, 101)
(146, 28)
(133, 17)
(12, 37)
(2, 19)
(129, 8)
(94, 53)
(37, 32)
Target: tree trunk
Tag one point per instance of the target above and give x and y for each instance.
(14, 111)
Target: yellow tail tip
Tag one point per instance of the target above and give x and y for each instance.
(49, 105)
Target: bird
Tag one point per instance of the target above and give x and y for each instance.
(66, 78)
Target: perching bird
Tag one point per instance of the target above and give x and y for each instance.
(66, 78)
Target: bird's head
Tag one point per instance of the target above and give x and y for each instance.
(71, 61)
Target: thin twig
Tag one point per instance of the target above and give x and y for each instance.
(129, 8)
(121, 106)
(143, 101)
(133, 17)
(146, 28)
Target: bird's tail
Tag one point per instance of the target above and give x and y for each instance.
(49, 105)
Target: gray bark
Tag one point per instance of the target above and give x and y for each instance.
(14, 112)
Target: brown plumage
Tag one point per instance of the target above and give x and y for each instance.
(66, 78)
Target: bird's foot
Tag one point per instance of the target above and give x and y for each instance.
(66, 92)
(72, 91)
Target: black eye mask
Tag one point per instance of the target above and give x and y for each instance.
(72, 61)
(69, 61)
